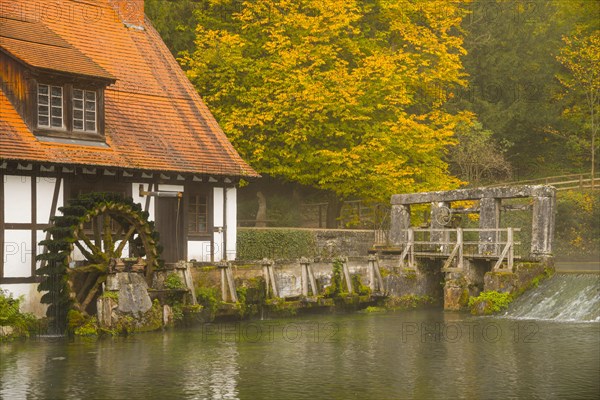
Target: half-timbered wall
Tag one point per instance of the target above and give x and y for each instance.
(28, 201)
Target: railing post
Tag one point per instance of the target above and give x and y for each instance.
(511, 249)
(459, 243)
(411, 251)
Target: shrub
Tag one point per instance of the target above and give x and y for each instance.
(336, 288)
(10, 315)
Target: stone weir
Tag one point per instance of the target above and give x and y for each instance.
(469, 260)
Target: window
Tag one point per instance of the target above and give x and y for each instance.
(50, 106)
(65, 110)
(198, 214)
(84, 110)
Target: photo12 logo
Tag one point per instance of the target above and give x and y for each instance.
(471, 332)
(292, 332)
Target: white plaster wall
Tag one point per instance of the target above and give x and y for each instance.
(44, 195)
(170, 188)
(77, 255)
(17, 253)
(218, 237)
(218, 249)
(31, 297)
(231, 223)
(199, 250)
(41, 235)
(135, 191)
(17, 199)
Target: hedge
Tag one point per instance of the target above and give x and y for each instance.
(256, 244)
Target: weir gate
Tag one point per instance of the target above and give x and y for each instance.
(481, 254)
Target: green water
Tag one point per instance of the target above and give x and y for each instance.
(405, 355)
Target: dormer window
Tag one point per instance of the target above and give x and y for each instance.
(69, 110)
(84, 110)
(50, 106)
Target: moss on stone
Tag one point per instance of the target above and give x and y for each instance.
(489, 302)
(407, 302)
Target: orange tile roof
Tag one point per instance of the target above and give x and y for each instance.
(154, 118)
(36, 45)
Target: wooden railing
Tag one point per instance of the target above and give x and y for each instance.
(562, 182)
(451, 243)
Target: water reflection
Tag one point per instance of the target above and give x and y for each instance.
(421, 355)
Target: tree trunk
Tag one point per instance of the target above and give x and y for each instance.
(334, 208)
(261, 214)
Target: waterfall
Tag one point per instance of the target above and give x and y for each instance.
(564, 297)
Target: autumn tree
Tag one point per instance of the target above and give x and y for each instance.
(581, 59)
(478, 158)
(345, 96)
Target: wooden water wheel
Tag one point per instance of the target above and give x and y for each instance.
(101, 226)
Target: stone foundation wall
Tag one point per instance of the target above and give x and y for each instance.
(288, 274)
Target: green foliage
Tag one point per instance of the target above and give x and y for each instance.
(75, 319)
(374, 309)
(580, 58)
(358, 286)
(251, 296)
(89, 327)
(209, 298)
(177, 310)
(577, 229)
(110, 294)
(478, 158)
(489, 302)
(173, 281)
(511, 60)
(175, 21)
(336, 288)
(282, 308)
(256, 244)
(407, 302)
(10, 315)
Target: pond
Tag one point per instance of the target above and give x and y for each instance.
(426, 354)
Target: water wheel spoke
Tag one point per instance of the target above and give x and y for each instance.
(107, 237)
(85, 288)
(90, 268)
(93, 291)
(119, 233)
(84, 251)
(80, 234)
(97, 234)
(125, 240)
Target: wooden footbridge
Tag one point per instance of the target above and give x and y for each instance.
(456, 245)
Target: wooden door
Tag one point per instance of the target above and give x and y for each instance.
(169, 223)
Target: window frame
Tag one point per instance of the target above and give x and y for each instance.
(50, 106)
(68, 131)
(84, 110)
(190, 193)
